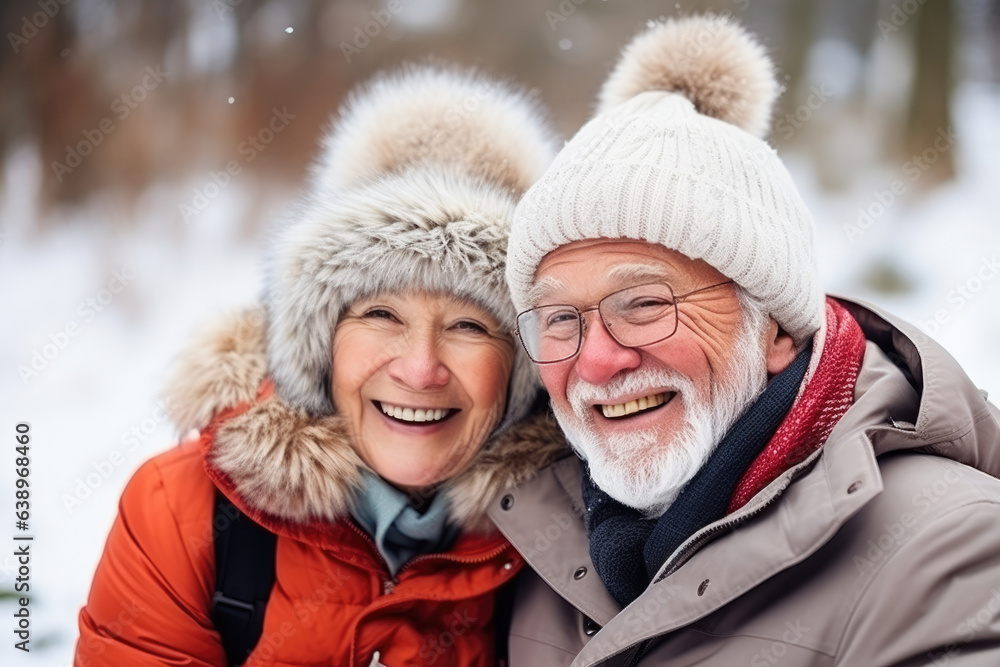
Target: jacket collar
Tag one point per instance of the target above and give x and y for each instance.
(289, 467)
(910, 395)
(947, 414)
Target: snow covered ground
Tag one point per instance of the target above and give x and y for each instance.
(93, 409)
(111, 309)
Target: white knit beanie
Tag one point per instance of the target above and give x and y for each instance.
(415, 189)
(674, 157)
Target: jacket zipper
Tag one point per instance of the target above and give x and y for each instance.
(458, 559)
(643, 645)
(684, 553)
(371, 542)
(455, 559)
(389, 584)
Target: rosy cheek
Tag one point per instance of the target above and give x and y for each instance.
(554, 378)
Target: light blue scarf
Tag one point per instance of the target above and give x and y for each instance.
(401, 532)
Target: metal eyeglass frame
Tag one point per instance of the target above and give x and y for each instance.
(583, 324)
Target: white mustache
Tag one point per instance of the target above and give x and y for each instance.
(582, 395)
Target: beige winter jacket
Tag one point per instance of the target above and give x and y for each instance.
(883, 548)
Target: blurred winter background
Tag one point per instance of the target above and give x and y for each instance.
(145, 145)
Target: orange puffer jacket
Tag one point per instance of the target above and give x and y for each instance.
(333, 602)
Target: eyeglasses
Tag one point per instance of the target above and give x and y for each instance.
(635, 317)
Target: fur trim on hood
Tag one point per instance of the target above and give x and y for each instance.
(299, 468)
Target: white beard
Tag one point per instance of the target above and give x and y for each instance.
(643, 469)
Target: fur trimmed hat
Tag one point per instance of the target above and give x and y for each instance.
(675, 157)
(415, 188)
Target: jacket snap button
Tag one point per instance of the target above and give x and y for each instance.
(590, 627)
(508, 565)
(702, 586)
(580, 573)
(854, 487)
(507, 502)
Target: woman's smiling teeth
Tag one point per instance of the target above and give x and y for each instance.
(636, 405)
(414, 415)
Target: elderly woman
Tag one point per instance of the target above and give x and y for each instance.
(352, 431)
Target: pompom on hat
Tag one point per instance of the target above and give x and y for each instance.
(414, 189)
(674, 156)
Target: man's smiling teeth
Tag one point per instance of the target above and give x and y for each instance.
(633, 406)
(411, 415)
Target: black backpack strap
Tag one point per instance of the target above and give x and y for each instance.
(244, 575)
(503, 611)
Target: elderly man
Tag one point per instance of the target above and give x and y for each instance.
(764, 474)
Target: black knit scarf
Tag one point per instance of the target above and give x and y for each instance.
(627, 550)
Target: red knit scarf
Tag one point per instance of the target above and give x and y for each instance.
(827, 396)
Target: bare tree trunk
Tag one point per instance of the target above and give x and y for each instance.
(929, 122)
(994, 19)
(799, 20)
